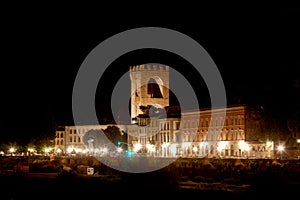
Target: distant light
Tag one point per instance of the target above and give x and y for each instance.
(298, 140)
(222, 145)
(137, 147)
(129, 153)
(119, 149)
(280, 148)
(195, 149)
(11, 149)
(70, 149)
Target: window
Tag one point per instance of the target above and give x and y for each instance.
(226, 134)
(61, 142)
(79, 140)
(61, 135)
(153, 89)
(70, 139)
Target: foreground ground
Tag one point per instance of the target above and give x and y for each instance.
(186, 178)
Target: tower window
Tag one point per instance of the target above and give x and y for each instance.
(153, 89)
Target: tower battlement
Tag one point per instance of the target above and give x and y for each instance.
(149, 86)
(149, 67)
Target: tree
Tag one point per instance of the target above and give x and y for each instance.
(263, 126)
(114, 134)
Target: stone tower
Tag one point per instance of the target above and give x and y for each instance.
(149, 86)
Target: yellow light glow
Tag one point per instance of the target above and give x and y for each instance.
(280, 148)
(150, 147)
(70, 149)
(12, 149)
(165, 145)
(195, 149)
(137, 147)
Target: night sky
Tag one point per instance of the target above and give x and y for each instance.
(256, 51)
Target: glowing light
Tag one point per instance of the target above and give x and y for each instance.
(185, 144)
(12, 149)
(165, 145)
(243, 145)
(280, 148)
(70, 149)
(78, 150)
(195, 149)
(137, 147)
(58, 150)
(222, 145)
(47, 150)
(150, 147)
(119, 149)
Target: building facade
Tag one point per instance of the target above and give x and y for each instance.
(220, 132)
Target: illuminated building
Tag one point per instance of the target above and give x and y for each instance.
(195, 133)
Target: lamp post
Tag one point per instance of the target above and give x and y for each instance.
(280, 148)
(12, 150)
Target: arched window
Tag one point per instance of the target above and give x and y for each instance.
(153, 89)
(61, 142)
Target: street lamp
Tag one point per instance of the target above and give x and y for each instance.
(12, 150)
(58, 151)
(280, 148)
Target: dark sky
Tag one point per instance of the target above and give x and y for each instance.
(256, 51)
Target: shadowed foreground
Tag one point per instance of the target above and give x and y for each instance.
(185, 178)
